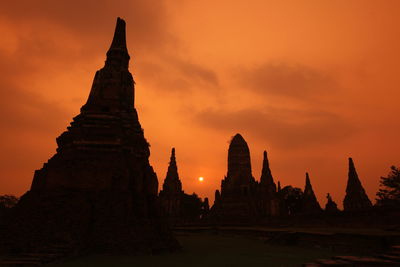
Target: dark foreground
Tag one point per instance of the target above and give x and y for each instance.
(213, 250)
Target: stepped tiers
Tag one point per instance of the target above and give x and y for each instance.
(356, 198)
(98, 192)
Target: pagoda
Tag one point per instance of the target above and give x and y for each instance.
(99, 191)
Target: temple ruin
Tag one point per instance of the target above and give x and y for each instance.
(99, 191)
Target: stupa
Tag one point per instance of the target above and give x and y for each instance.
(99, 191)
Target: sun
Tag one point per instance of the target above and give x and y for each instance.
(201, 179)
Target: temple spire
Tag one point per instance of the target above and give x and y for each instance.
(356, 198)
(308, 188)
(119, 40)
(117, 54)
(172, 182)
(113, 88)
(266, 175)
(310, 202)
(239, 164)
(173, 159)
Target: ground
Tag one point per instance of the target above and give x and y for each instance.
(208, 250)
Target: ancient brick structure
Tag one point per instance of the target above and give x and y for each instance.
(356, 198)
(309, 203)
(98, 192)
(171, 194)
(242, 198)
(239, 188)
(267, 193)
(177, 206)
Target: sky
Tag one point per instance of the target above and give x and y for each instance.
(312, 82)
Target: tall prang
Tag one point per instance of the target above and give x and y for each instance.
(268, 198)
(238, 190)
(177, 206)
(172, 183)
(171, 194)
(99, 191)
(309, 203)
(266, 176)
(356, 198)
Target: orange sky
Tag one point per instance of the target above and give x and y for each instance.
(312, 82)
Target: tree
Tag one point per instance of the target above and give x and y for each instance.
(389, 193)
(8, 201)
(293, 198)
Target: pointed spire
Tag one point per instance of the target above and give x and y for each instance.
(113, 88)
(352, 168)
(356, 198)
(119, 39)
(279, 186)
(172, 182)
(173, 159)
(310, 202)
(266, 175)
(118, 55)
(308, 188)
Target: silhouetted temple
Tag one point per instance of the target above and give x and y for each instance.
(171, 193)
(267, 195)
(238, 189)
(356, 198)
(98, 192)
(310, 203)
(242, 198)
(177, 206)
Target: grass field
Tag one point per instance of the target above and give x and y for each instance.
(208, 250)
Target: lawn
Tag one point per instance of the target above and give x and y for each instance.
(208, 250)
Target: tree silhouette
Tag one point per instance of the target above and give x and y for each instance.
(389, 193)
(293, 198)
(8, 201)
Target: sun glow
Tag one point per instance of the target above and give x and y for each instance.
(201, 179)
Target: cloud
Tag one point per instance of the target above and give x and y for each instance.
(28, 112)
(196, 71)
(285, 128)
(147, 20)
(175, 74)
(293, 81)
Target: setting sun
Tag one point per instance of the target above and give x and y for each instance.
(201, 179)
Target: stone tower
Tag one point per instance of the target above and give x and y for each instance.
(309, 203)
(267, 197)
(171, 194)
(356, 198)
(266, 176)
(238, 189)
(98, 192)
